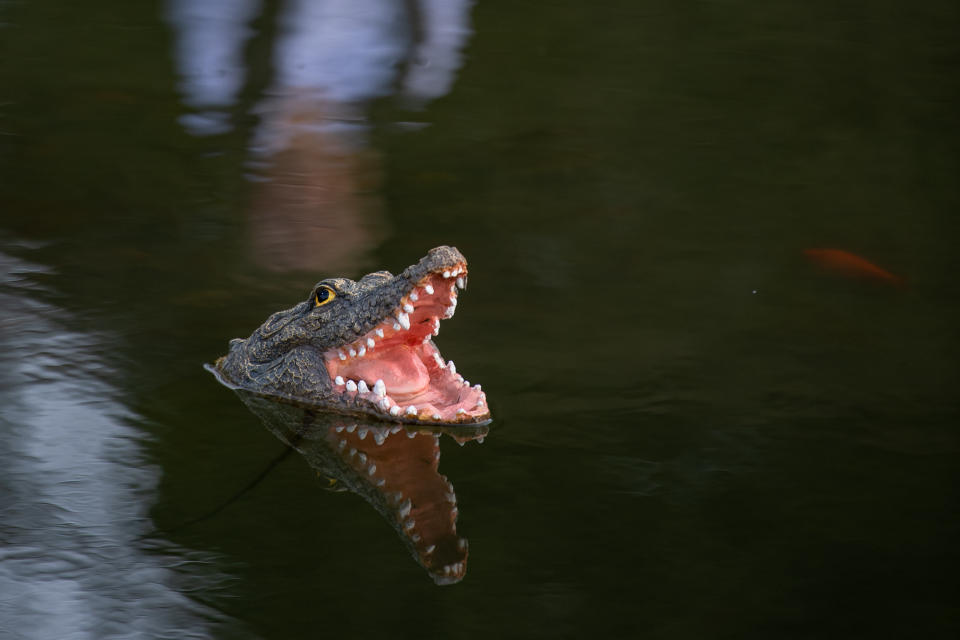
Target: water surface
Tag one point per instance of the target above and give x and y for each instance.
(697, 432)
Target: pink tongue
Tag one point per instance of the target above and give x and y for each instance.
(400, 369)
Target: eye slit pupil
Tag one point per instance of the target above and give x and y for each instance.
(323, 295)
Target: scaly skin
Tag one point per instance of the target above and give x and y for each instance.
(297, 353)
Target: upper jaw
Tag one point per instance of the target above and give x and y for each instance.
(394, 370)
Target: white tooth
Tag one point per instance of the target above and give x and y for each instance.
(338, 380)
(479, 404)
(353, 352)
(351, 385)
(384, 404)
(460, 411)
(426, 339)
(440, 363)
(362, 433)
(396, 326)
(351, 428)
(453, 301)
(404, 320)
(379, 332)
(451, 366)
(408, 308)
(379, 388)
(370, 343)
(341, 355)
(411, 410)
(372, 470)
(405, 508)
(362, 457)
(429, 289)
(362, 386)
(477, 387)
(395, 410)
(460, 282)
(436, 416)
(436, 326)
(430, 549)
(446, 274)
(413, 296)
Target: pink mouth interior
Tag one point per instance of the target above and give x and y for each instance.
(417, 385)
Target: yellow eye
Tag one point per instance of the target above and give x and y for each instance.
(323, 295)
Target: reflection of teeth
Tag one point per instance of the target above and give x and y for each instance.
(379, 332)
(338, 380)
(405, 508)
(342, 445)
(362, 387)
(380, 482)
(428, 288)
(462, 544)
(395, 410)
(353, 452)
(370, 343)
(410, 524)
(339, 429)
(430, 549)
(362, 457)
(411, 434)
(351, 428)
(411, 410)
(351, 385)
(362, 432)
(380, 436)
(372, 469)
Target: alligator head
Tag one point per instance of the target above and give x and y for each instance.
(365, 347)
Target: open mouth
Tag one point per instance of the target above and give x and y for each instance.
(397, 368)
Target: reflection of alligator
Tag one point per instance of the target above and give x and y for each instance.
(394, 468)
(365, 347)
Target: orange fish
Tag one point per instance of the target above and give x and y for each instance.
(851, 265)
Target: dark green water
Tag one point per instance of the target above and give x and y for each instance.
(697, 433)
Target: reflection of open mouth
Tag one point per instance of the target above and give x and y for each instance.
(398, 369)
(400, 470)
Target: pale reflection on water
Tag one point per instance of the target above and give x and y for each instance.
(75, 491)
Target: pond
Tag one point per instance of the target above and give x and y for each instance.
(712, 304)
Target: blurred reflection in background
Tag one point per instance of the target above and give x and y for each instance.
(75, 490)
(314, 205)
